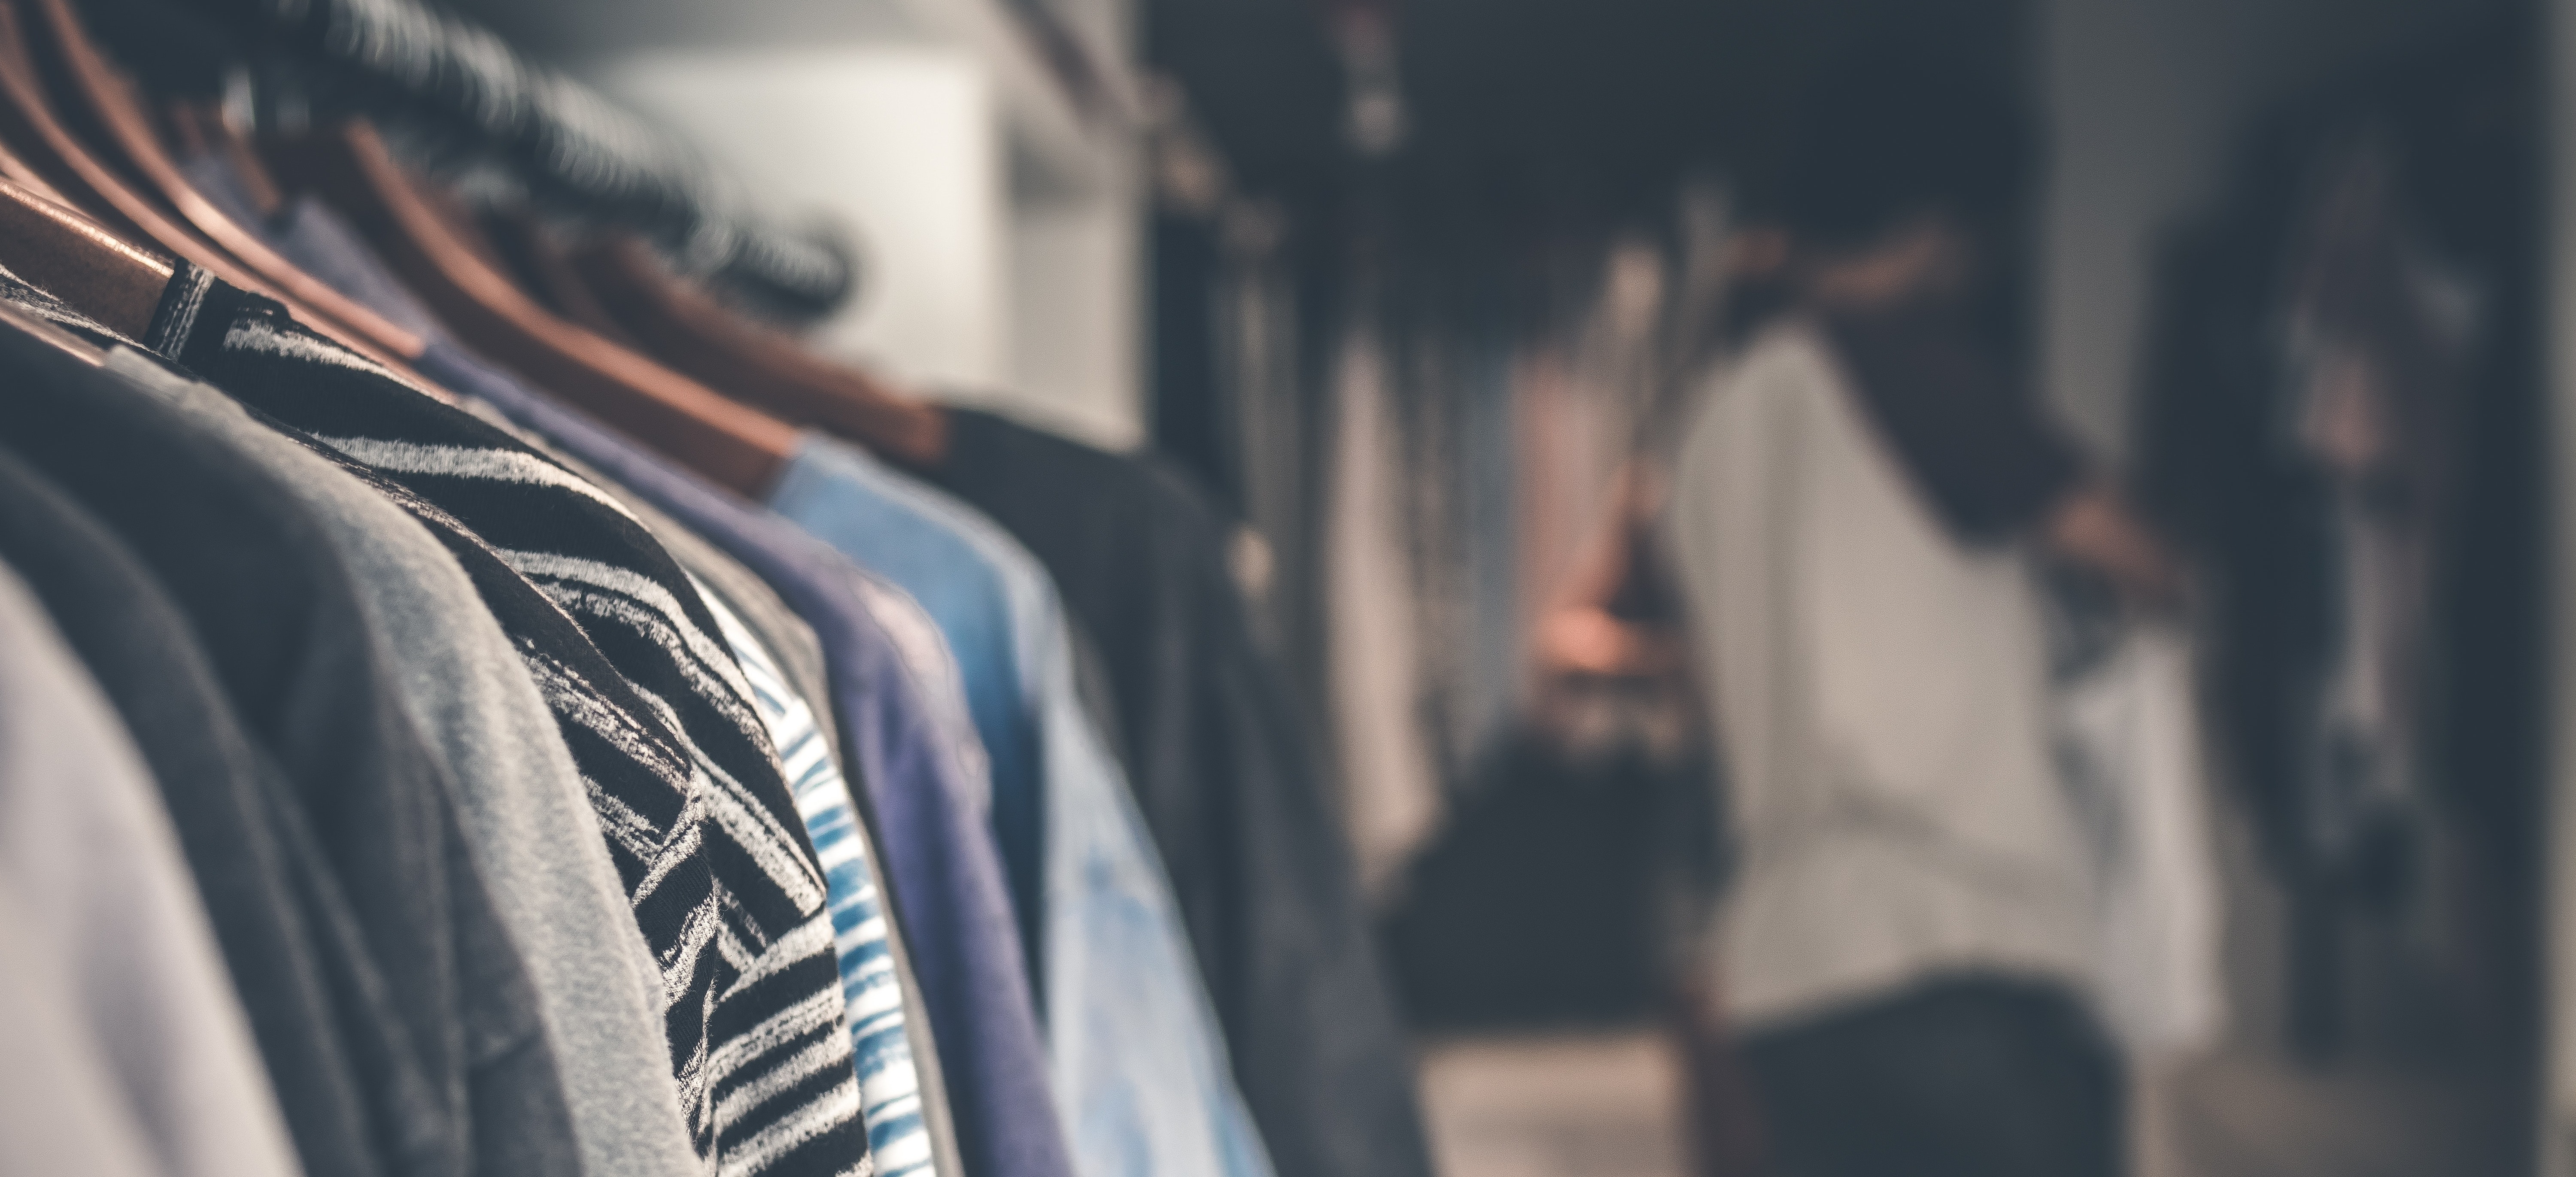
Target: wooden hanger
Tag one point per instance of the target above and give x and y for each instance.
(701, 337)
(349, 167)
(17, 171)
(40, 144)
(93, 87)
(70, 257)
(28, 125)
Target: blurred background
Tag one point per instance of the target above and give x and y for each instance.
(1890, 586)
(2229, 523)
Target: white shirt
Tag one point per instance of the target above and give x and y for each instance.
(1879, 691)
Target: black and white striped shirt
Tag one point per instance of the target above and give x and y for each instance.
(683, 777)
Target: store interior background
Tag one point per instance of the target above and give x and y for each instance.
(1183, 222)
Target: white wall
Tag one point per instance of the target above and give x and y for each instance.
(1077, 291)
(899, 142)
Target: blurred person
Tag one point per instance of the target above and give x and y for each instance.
(1903, 953)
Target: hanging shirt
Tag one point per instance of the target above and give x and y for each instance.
(1137, 1058)
(898, 1101)
(1228, 785)
(967, 598)
(780, 634)
(926, 771)
(153, 1069)
(454, 1070)
(220, 790)
(889, 1089)
(316, 240)
(924, 774)
(525, 809)
(1878, 688)
(715, 860)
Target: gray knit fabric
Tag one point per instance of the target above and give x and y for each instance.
(526, 815)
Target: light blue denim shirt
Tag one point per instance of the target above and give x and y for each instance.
(1139, 1065)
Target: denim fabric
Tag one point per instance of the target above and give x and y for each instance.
(1139, 1063)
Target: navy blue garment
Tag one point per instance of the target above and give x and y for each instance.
(965, 596)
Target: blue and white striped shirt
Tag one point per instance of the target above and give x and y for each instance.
(889, 1086)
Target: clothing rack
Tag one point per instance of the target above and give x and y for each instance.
(550, 721)
(471, 101)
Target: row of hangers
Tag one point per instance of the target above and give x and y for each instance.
(93, 206)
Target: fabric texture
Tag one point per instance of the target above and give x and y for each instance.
(526, 812)
(221, 791)
(428, 989)
(793, 650)
(889, 1088)
(60, 1110)
(907, 1097)
(1959, 1079)
(315, 239)
(1228, 782)
(106, 922)
(923, 774)
(712, 854)
(1879, 692)
(885, 698)
(1138, 1061)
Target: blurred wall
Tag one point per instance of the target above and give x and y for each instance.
(2558, 1116)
